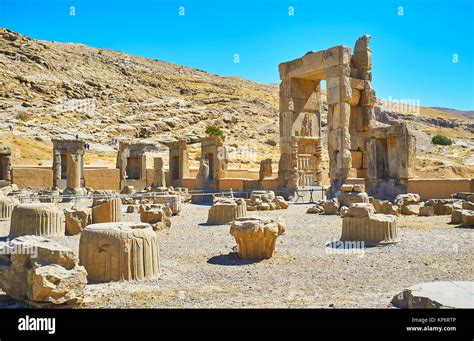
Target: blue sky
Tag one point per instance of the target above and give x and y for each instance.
(412, 53)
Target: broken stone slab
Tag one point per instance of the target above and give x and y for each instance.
(119, 251)
(467, 205)
(280, 203)
(349, 198)
(426, 211)
(456, 216)
(156, 215)
(406, 199)
(331, 207)
(442, 294)
(37, 269)
(443, 206)
(467, 218)
(462, 195)
(360, 210)
(77, 220)
(55, 284)
(256, 237)
(265, 196)
(385, 207)
(171, 201)
(410, 210)
(315, 210)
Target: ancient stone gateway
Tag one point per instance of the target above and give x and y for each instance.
(5, 166)
(391, 152)
(178, 162)
(214, 152)
(131, 160)
(68, 165)
(350, 99)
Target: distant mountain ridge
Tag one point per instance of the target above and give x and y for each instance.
(52, 90)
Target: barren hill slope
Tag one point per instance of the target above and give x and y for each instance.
(50, 89)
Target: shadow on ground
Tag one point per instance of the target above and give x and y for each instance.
(230, 259)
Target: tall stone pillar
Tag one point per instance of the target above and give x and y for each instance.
(159, 176)
(7, 168)
(339, 94)
(73, 171)
(56, 169)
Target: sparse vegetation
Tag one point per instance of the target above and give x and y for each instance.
(215, 131)
(24, 116)
(441, 140)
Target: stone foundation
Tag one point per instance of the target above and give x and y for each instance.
(6, 207)
(361, 225)
(119, 251)
(226, 210)
(37, 219)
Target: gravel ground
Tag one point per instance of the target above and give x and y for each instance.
(199, 268)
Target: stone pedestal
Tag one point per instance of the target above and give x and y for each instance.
(107, 210)
(256, 237)
(6, 206)
(37, 219)
(171, 201)
(360, 224)
(226, 210)
(119, 251)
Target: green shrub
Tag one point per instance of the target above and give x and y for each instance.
(442, 140)
(215, 131)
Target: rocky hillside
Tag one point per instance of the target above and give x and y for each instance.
(50, 89)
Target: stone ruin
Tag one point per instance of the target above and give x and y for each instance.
(213, 163)
(178, 162)
(391, 151)
(226, 210)
(106, 207)
(352, 147)
(39, 270)
(37, 219)
(256, 237)
(158, 216)
(7, 204)
(5, 166)
(68, 166)
(159, 178)
(362, 224)
(262, 200)
(131, 160)
(120, 251)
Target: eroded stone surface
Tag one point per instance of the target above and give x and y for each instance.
(119, 251)
(37, 269)
(37, 219)
(256, 237)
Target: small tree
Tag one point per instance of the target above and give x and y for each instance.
(215, 131)
(441, 140)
